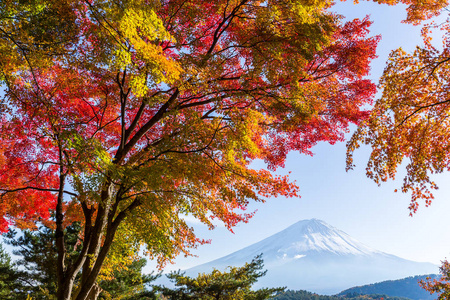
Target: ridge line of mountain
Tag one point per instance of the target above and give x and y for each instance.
(315, 256)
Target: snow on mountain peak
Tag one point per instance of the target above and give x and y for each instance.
(314, 236)
(303, 240)
(315, 256)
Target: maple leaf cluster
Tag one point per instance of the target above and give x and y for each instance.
(170, 107)
(128, 116)
(442, 286)
(410, 120)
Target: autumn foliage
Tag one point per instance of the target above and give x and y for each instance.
(441, 286)
(410, 120)
(130, 115)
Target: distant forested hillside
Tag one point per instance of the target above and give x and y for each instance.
(304, 295)
(407, 287)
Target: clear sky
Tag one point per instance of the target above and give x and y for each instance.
(349, 201)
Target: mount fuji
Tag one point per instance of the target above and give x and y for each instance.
(314, 256)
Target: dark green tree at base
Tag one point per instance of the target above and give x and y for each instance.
(10, 277)
(37, 257)
(235, 283)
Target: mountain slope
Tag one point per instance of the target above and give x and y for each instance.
(312, 255)
(406, 287)
(304, 295)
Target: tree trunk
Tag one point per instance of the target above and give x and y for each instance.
(65, 290)
(96, 245)
(94, 293)
(97, 252)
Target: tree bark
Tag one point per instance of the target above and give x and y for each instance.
(65, 285)
(94, 293)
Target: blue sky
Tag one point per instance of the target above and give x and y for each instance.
(349, 201)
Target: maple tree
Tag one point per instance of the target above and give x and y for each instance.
(127, 116)
(410, 119)
(439, 286)
(410, 122)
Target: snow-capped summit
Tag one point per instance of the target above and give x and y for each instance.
(307, 238)
(315, 256)
(313, 237)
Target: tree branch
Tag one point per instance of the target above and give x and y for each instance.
(6, 191)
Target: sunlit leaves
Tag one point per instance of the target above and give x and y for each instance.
(439, 287)
(157, 110)
(171, 108)
(136, 33)
(33, 32)
(410, 122)
(418, 11)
